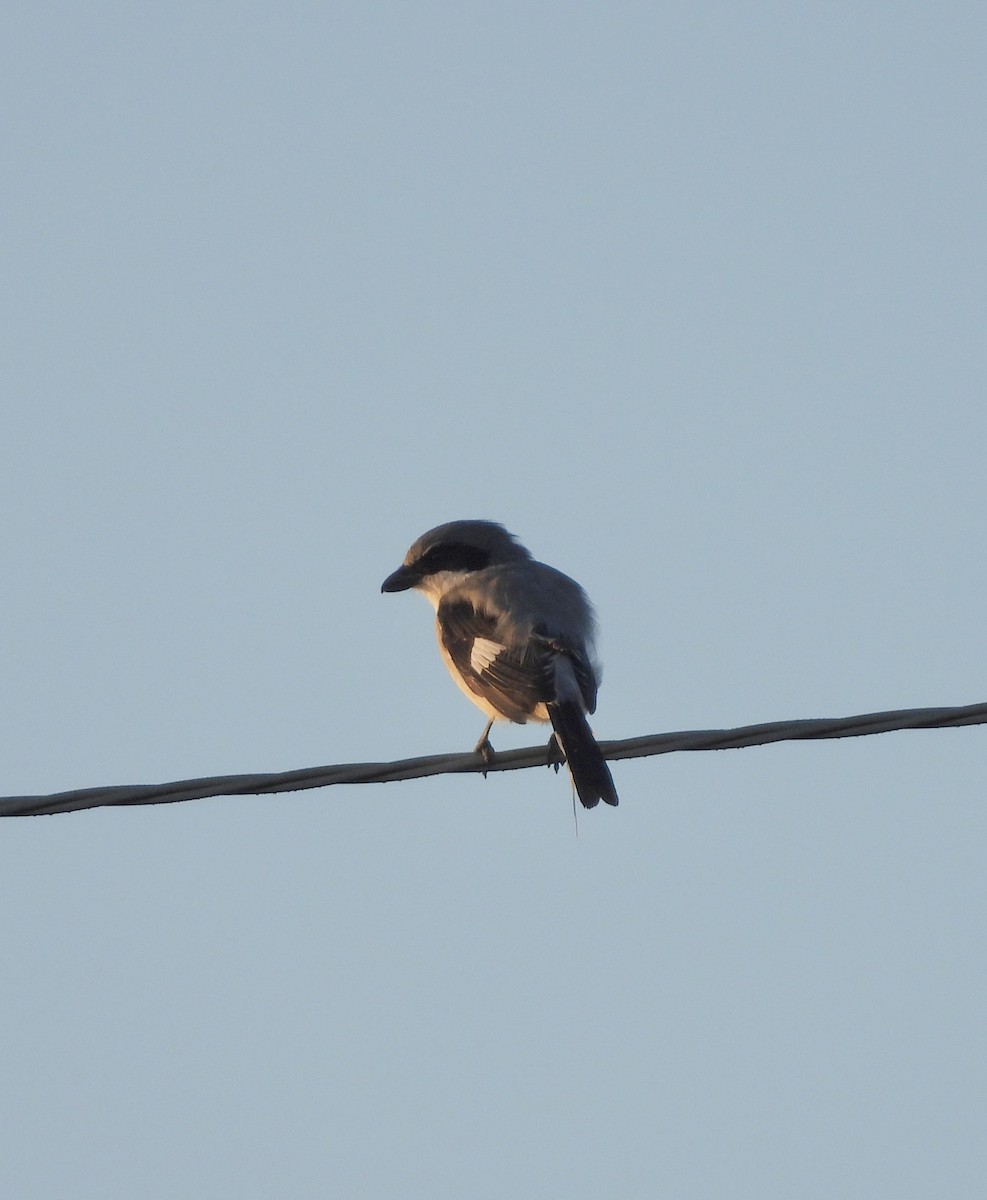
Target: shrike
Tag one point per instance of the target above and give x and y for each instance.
(517, 637)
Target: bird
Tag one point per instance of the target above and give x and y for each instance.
(517, 637)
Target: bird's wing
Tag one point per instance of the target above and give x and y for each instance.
(514, 680)
(583, 669)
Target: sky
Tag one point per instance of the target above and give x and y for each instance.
(690, 297)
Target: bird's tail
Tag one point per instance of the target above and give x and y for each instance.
(588, 767)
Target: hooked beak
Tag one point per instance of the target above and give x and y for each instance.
(402, 579)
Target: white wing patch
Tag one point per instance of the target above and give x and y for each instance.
(483, 652)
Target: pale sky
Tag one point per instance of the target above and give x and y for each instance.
(692, 298)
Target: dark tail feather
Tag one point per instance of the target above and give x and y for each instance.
(588, 767)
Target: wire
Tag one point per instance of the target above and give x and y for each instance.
(510, 760)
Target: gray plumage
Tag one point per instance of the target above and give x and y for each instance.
(516, 636)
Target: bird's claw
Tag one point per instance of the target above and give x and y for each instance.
(555, 756)
(484, 749)
(486, 752)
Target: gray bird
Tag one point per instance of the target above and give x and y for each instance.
(517, 637)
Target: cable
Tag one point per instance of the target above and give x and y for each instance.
(510, 760)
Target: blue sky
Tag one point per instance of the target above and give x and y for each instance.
(692, 299)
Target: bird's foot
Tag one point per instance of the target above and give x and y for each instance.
(555, 756)
(485, 749)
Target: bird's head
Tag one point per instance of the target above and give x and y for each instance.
(447, 553)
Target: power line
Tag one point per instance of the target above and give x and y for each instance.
(510, 760)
